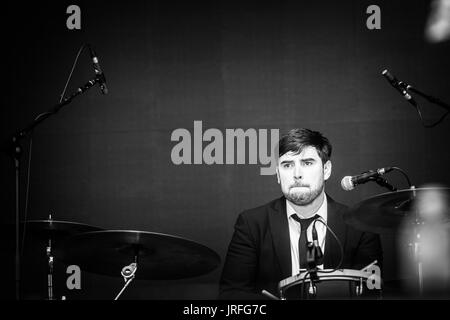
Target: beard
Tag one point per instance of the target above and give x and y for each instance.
(303, 196)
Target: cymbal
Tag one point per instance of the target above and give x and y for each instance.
(391, 212)
(158, 256)
(56, 230)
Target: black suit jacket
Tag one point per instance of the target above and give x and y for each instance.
(259, 254)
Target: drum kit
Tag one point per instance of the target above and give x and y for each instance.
(127, 253)
(404, 212)
(156, 256)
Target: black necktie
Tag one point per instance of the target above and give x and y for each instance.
(302, 241)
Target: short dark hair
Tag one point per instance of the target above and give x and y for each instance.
(297, 139)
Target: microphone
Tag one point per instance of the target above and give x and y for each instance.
(318, 249)
(98, 71)
(399, 85)
(314, 254)
(350, 182)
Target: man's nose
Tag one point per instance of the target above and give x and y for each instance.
(297, 172)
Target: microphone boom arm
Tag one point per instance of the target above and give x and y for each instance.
(43, 116)
(431, 99)
(404, 88)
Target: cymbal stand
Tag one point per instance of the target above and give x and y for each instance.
(416, 246)
(50, 267)
(50, 270)
(417, 259)
(128, 274)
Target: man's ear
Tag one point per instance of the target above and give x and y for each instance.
(327, 170)
(278, 175)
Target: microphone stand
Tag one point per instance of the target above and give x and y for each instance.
(314, 257)
(431, 99)
(427, 96)
(16, 154)
(312, 271)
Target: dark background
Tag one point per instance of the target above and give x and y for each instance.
(105, 160)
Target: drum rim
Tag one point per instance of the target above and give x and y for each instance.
(341, 274)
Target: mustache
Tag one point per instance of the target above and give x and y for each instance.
(299, 185)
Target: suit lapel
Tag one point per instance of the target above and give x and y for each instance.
(335, 222)
(280, 234)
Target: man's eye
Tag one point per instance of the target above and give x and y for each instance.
(287, 165)
(308, 163)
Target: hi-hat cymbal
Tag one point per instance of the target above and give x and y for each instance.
(158, 256)
(394, 212)
(55, 230)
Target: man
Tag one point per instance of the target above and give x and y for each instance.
(268, 244)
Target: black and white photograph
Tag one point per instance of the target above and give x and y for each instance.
(232, 156)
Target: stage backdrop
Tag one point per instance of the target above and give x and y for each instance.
(174, 70)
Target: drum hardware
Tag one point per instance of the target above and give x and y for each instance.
(397, 213)
(417, 256)
(50, 265)
(156, 256)
(389, 213)
(359, 288)
(53, 232)
(310, 289)
(369, 265)
(128, 274)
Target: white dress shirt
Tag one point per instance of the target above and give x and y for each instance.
(294, 232)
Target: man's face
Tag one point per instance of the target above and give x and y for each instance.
(302, 176)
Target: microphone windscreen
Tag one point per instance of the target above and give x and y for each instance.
(388, 75)
(347, 184)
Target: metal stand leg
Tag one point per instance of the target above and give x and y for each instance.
(418, 222)
(312, 291)
(50, 270)
(128, 274)
(418, 261)
(17, 153)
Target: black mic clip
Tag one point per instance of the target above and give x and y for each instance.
(314, 254)
(384, 183)
(100, 79)
(400, 86)
(312, 257)
(374, 175)
(378, 179)
(99, 74)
